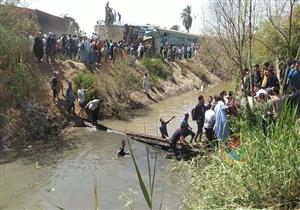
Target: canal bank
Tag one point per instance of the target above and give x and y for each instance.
(65, 176)
(119, 85)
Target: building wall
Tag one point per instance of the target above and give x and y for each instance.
(111, 32)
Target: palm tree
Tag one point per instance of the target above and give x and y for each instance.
(187, 18)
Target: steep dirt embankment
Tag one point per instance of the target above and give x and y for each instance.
(119, 85)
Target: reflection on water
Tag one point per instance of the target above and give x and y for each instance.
(69, 182)
(66, 178)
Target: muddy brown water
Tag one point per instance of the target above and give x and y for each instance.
(66, 178)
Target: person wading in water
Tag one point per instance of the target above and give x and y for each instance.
(121, 151)
(163, 127)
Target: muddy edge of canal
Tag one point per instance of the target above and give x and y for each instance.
(66, 176)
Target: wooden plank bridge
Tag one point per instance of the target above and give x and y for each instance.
(149, 139)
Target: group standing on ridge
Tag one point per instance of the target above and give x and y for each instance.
(49, 47)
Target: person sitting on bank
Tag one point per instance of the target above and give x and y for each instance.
(185, 128)
(121, 151)
(163, 127)
(93, 106)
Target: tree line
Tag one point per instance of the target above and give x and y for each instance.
(240, 33)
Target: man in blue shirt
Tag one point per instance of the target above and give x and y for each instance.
(294, 77)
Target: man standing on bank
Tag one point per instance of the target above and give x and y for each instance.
(198, 114)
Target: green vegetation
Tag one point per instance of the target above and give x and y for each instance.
(87, 81)
(270, 177)
(157, 69)
(214, 60)
(23, 84)
(198, 70)
(126, 79)
(113, 85)
(17, 80)
(227, 51)
(14, 27)
(148, 193)
(270, 44)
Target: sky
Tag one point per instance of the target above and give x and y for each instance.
(164, 13)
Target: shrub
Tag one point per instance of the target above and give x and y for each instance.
(270, 177)
(17, 80)
(14, 25)
(23, 84)
(126, 79)
(8, 54)
(157, 68)
(87, 81)
(198, 70)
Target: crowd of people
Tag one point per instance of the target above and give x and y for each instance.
(214, 117)
(89, 51)
(177, 52)
(211, 117)
(262, 87)
(50, 46)
(269, 80)
(90, 107)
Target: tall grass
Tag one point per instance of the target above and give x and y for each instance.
(199, 70)
(23, 83)
(157, 69)
(147, 192)
(269, 178)
(126, 79)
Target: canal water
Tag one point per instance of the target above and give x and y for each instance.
(66, 178)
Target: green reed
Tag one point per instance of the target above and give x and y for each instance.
(269, 178)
